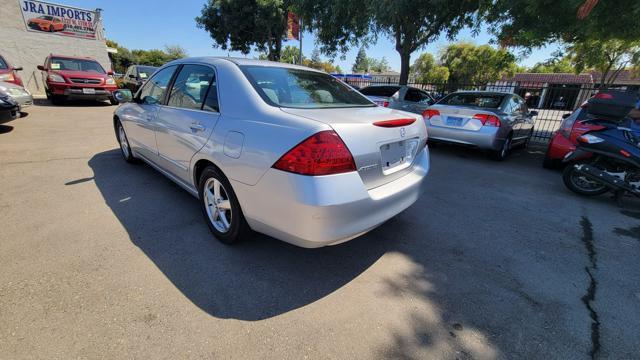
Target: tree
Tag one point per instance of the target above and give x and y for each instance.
(525, 23)
(241, 25)
(556, 65)
(290, 54)
(410, 24)
(175, 52)
(361, 64)
(426, 70)
(471, 64)
(379, 66)
(609, 57)
(339, 70)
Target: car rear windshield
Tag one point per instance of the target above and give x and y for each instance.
(295, 88)
(76, 65)
(490, 101)
(386, 91)
(146, 71)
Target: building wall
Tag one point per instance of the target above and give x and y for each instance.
(29, 49)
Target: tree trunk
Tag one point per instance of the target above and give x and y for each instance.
(405, 60)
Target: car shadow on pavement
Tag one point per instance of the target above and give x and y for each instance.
(71, 103)
(4, 129)
(253, 280)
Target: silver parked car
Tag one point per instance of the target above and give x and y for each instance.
(489, 120)
(280, 149)
(19, 94)
(399, 97)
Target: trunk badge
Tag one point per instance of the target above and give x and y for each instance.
(403, 132)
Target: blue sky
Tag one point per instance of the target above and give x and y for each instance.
(145, 24)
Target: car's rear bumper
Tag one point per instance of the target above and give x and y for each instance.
(76, 91)
(486, 138)
(8, 114)
(559, 147)
(318, 211)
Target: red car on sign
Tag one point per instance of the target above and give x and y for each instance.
(46, 23)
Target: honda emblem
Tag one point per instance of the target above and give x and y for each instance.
(403, 132)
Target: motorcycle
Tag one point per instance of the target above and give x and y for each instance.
(607, 159)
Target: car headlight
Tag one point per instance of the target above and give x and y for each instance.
(110, 81)
(7, 77)
(56, 78)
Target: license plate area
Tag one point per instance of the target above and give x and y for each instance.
(88, 91)
(453, 121)
(398, 155)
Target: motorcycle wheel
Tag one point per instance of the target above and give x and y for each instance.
(580, 184)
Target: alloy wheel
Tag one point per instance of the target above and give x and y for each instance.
(124, 144)
(217, 204)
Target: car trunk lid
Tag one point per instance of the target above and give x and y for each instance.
(383, 148)
(459, 117)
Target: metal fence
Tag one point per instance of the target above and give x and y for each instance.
(551, 101)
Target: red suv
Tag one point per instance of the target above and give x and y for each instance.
(67, 77)
(9, 73)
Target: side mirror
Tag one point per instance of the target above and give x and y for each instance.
(564, 116)
(533, 113)
(19, 68)
(132, 76)
(110, 72)
(40, 67)
(123, 95)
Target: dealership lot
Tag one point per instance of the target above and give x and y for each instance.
(102, 259)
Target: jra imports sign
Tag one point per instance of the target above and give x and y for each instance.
(58, 19)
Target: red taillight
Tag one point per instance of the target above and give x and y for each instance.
(394, 123)
(385, 104)
(625, 153)
(321, 154)
(488, 120)
(429, 113)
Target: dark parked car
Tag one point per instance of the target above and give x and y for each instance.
(9, 109)
(137, 75)
(9, 73)
(400, 97)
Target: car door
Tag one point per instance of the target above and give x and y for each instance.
(512, 117)
(527, 121)
(415, 101)
(188, 119)
(140, 124)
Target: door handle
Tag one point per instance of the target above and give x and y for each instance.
(196, 127)
(149, 118)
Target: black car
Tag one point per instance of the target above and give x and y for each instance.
(136, 75)
(9, 109)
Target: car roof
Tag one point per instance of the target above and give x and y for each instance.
(485, 92)
(243, 62)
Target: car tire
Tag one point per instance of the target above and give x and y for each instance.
(123, 141)
(51, 29)
(569, 176)
(113, 101)
(221, 210)
(57, 100)
(503, 153)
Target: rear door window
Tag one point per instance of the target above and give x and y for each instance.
(415, 95)
(190, 87)
(480, 100)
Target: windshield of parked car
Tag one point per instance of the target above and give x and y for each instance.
(296, 88)
(45, 17)
(386, 91)
(489, 101)
(76, 65)
(145, 72)
(3, 64)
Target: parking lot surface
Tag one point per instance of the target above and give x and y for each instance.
(103, 259)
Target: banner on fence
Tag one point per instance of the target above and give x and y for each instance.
(57, 19)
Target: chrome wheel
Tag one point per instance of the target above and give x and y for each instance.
(217, 204)
(124, 145)
(585, 184)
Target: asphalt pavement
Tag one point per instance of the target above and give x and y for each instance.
(100, 259)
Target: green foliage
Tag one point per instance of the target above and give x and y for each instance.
(379, 66)
(154, 57)
(609, 57)
(361, 64)
(533, 23)
(554, 65)
(411, 24)
(316, 62)
(426, 70)
(290, 54)
(241, 25)
(471, 64)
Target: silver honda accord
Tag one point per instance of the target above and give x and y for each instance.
(279, 149)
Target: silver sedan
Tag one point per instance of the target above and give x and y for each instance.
(19, 94)
(399, 97)
(279, 149)
(494, 121)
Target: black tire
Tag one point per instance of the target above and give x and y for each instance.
(48, 94)
(51, 29)
(238, 228)
(125, 148)
(503, 153)
(113, 101)
(575, 183)
(57, 100)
